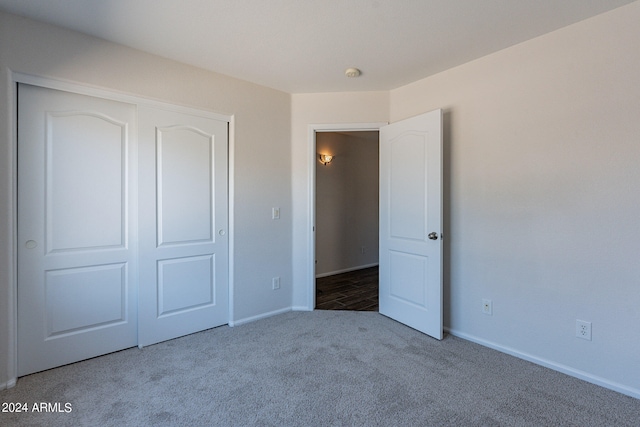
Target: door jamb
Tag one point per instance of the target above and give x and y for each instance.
(311, 220)
(16, 77)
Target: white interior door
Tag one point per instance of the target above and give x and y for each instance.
(183, 224)
(411, 222)
(76, 228)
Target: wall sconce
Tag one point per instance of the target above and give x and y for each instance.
(325, 159)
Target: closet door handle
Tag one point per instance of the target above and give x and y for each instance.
(433, 235)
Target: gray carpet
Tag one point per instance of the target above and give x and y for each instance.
(316, 368)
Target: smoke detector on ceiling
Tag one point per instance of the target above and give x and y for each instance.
(352, 72)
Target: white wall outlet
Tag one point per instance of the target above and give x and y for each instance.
(487, 307)
(275, 213)
(583, 330)
(275, 283)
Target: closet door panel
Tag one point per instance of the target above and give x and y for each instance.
(183, 217)
(76, 228)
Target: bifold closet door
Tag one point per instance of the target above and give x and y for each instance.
(183, 224)
(76, 228)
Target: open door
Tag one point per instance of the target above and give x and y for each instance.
(411, 222)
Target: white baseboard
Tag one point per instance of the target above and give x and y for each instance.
(259, 316)
(586, 376)
(346, 270)
(9, 384)
(301, 308)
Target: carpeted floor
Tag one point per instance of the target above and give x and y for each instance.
(316, 368)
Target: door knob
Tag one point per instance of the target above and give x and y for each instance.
(433, 236)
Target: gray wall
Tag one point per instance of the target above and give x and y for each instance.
(346, 202)
(542, 167)
(542, 147)
(261, 159)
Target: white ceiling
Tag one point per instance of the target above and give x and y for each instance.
(305, 45)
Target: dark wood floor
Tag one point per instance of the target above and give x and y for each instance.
(355, 290)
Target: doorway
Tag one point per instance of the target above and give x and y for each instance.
(410, 278)
(346, 213)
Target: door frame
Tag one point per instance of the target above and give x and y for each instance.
(312, 129)
(78, 88)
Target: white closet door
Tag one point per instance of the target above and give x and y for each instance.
(76, 228)
(183, 224)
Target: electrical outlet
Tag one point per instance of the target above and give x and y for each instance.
(275, 213)
(487, 307)
(583, 330)
(275, 283)
(363, 249)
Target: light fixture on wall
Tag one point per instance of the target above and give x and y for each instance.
(325, 159)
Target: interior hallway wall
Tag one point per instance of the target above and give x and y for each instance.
(347, 202)
(542, 172)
